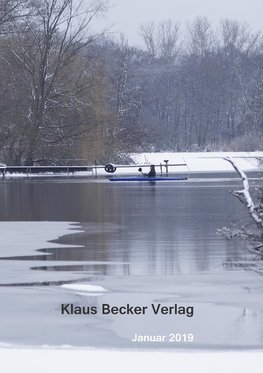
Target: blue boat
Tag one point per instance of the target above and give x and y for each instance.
(147, 179)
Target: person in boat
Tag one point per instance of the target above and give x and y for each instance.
(152, 172)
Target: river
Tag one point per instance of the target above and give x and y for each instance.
(144, 244)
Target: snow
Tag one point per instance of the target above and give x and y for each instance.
(84, 288)
(32, 234)
(228, 290)
(187, 163)
(228, 308)
(202, 162)
(68, 360)
(47, 175)
(173, 156)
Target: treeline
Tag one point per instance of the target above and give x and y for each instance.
(68, 93)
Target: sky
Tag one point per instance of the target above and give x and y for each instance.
(126, 16)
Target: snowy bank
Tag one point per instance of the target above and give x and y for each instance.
(68, 360)
(187, 163)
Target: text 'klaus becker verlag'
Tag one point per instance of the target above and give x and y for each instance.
(107, 309)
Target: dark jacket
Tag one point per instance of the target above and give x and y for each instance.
(152, 172)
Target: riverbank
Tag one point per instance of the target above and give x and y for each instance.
(68, 360)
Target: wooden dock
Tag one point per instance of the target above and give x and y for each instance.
(34, 170)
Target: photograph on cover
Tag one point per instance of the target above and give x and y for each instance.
(131, 187)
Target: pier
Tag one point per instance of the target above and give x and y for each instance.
(33, 170)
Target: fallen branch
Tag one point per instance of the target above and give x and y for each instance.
(246, 194)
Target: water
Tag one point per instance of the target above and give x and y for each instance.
(158, 230)
(146, 244)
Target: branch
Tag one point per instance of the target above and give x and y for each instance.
(246, 194)
(237, 193)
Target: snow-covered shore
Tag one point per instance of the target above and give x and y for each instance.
(69, 360)
(172, 156)
(188, 163)
(178, 163)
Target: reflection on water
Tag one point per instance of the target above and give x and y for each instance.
(143, 243)
(157, 229)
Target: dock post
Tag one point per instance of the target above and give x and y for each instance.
(166, 166)
(187, 168)
(95, 163)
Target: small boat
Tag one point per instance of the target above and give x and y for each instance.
(147, 179)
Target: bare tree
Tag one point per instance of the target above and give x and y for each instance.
(162, 40)
(51, 40)
(148, 35)
(125, 99)
(169, 39)
(235, 38)
(10, 11)
(200, 37)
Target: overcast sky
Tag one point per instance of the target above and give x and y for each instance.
(126, 16)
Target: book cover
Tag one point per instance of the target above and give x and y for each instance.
(131, 186)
